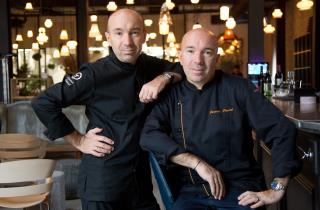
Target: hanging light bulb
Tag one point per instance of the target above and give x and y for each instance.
(29, 33)
(56, 53)
(15, 46)
(304, 5)
(93, 18)
(148, 22)
(112, 6)
(99, 38)
(28, 6)
(35, 46)
(171, 37)
(42, 30)
(170, 4)
(19, 38)
(94, 30)
(42, 38)
(165, 20)
(277, 13)
(153, 35)
(105, 44)
(231, 23)
(72, 44)
(196, 25)
(64, 34)
(48, 23)
(221, 51)
(130, 2)
(64, 51)
(269, 29)
(194, 1)
(224, 13)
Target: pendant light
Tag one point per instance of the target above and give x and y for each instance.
(19, 38)
(224, 13)
(64, 51)
(304, 5)
(112, 6)
(231, 23)
(29, 33)
(48, 23)
(28, 6)
(56, 53)
(64, 34)
(196, 25)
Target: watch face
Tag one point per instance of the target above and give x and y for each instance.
(275, 185)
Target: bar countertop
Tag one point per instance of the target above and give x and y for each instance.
(305, 116)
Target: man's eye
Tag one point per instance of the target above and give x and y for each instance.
(189, 51)
(118, 33)
(135, 33)
(208, 53)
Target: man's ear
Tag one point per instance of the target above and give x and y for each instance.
(107, 36)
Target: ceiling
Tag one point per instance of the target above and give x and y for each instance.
(238, 8)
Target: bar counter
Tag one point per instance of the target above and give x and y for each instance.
(305, 116)
(303, 192)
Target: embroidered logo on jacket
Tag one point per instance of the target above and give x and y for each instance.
(70, 80)
(216, 111)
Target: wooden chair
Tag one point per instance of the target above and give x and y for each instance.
(25, 183)
(21, 146)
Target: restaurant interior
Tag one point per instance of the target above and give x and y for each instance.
(44, 40)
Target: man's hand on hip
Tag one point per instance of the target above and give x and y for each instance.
(91, 142)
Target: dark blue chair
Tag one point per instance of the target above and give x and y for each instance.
(164, 188)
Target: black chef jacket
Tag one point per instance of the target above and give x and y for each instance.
(215, 123)
(109, 89)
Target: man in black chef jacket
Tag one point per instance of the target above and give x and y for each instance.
(204, 125)
(114, 174)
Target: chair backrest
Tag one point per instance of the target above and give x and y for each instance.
(34, 175)
(164, 188)
(20, 146)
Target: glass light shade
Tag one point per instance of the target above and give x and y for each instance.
(269, 29)
(224, 13)
(163, 28)
(64, 51)
(170, 4)
(130, 2)
(35, 46)
(112, 6)
(105, 44)
(194, 1)
(29, 33)
(220, 51)
(64, 34)
(42, 38)
(48, 23)
(56, 53)
(28, 6)
(19, 38)
(148, 22)
(196, 25)
(42, 30)
(93, 18)
(152, 35)
(264, 22)
(99, 38)
(15, 46)
(171, 37)
(277, 13)
(231, 23)
(304, 5)
(94, 30)
(72, 44)
(228, 34)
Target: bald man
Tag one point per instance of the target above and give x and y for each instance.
(116, 90)
(204, 124)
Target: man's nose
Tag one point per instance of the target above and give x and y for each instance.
(127, 39)
(198, 58)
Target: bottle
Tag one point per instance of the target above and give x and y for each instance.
(261, 81)
(267, 85)
(278, 78)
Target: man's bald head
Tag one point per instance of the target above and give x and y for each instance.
(199, 32)
(125, 14)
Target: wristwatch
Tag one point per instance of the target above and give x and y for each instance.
(169, 76)
(277, 186)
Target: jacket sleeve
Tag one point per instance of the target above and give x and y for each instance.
(73, 90)
(157, 66)
(155, 135)
(276, 130)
